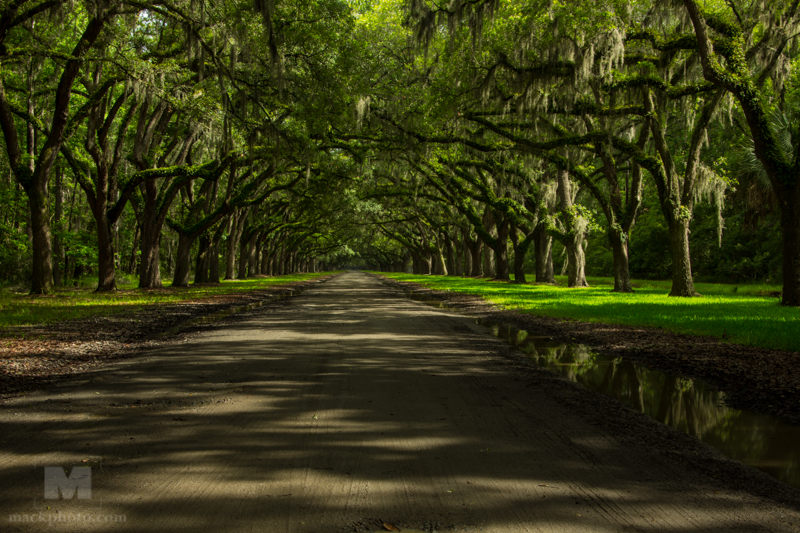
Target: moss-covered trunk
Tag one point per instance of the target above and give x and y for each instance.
(576, 263)
(575, 233)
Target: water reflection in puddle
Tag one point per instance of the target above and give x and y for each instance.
(684, 404)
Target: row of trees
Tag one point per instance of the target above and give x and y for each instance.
(464, 138)
(519, 124)
(189, 116)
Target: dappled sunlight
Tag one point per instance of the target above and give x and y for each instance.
(297, 420)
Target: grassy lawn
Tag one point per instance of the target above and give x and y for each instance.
(21, 310)
(741, 313)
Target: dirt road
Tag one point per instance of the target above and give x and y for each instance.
(345, 406)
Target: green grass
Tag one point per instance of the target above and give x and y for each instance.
(743, 314)
(23, 310)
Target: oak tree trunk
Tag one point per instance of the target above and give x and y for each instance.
(501, 251)
(59, 212)
(106, 276)
(619, 250)
(202, 261)
(475, 252)
(543, 255)
(576, 263)
(42, 275)
(150, 261)
(451, 257)
(408, 263)
(183, 260)
(459, 258)
(213, 263)
(682, 283)
(790, 229)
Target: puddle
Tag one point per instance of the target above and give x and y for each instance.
(761, 441)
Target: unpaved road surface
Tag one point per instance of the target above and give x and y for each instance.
(345, 406)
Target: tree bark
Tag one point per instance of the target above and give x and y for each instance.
(150, 261)
(183, 260)
(488, 253)
(213, 262)
(459, 257)
(203, 259)
(574, 234)
(426, 263)
(622, 272)
(501, 250)
(441, 265)
(233, 243)
(132, 267)
(521, 248)
(790, 229)
(265, 253)
(59, 213)
(467, 254)
(246, 247)
(576, 264)
(451, 258)
(106, 276)
(475, 248)
(543, 255)
(39, 204)
(682, 283)
(254, 268)
(408, 263)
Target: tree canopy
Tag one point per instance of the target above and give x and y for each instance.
(202, 140)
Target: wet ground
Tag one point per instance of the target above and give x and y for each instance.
(688, 405)
(760, 440)
(350, 406)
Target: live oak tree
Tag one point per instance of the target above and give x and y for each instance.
(33, 167)
(443, 137)
(744, 49)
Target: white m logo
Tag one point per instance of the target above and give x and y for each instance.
(56, 480)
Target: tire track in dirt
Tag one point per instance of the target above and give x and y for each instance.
(347, 405)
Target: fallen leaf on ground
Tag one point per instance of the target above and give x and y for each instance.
(390, 527)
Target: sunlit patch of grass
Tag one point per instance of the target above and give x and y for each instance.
(746, 315)
(64, 304)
